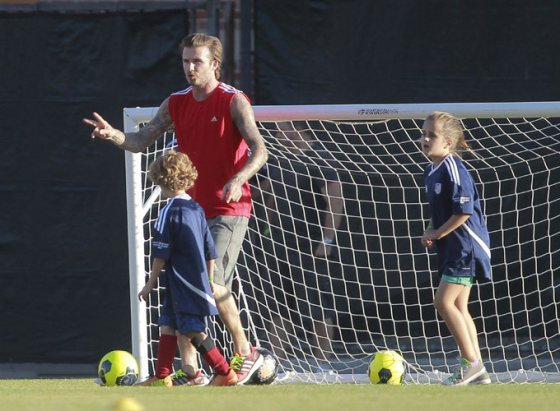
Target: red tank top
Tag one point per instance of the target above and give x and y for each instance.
(206, 133)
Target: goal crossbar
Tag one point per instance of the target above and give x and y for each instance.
(367, 112)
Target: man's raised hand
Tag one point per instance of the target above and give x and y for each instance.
(101, 128)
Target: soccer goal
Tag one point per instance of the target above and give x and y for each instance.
(332, 269)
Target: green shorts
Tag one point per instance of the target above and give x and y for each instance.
(466, 281)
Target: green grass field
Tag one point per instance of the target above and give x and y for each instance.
(85, 395)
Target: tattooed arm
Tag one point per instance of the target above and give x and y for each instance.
(244, 118)
(137, 141)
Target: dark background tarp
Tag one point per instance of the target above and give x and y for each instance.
(63, 245)
(353, 51)
(64, 273)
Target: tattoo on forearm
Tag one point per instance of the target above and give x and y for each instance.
(140, 140)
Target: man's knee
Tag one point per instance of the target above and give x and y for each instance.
(221, 294)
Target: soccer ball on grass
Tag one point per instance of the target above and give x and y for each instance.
(118, 368)
(268, 371)
(387, 367)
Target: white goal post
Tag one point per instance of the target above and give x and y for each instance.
(332, 269)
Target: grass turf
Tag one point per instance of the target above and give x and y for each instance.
(85, 395)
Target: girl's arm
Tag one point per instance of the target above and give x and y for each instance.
(449, 226)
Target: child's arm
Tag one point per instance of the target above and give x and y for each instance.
(426, 241)
(455, 221)
(210, 265)
(157, 266)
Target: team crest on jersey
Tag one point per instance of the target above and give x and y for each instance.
(437, 188)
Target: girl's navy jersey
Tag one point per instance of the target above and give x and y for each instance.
(182, 238)
(450, 190)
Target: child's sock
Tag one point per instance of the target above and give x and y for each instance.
(211, 355)
(167, 348)
(471, 363)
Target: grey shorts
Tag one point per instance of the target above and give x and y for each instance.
(228, 233)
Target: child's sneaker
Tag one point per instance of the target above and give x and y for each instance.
(245, 366)
(154, 381)
(465, 373)
(224, 380)
(182, 378)
(482, 379)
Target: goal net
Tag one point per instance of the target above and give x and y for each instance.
(332, 269)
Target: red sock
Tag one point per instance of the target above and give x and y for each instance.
(167, 348)
(211, 355)
(216, 361)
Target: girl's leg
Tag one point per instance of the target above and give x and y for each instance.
(445, 301)
(463, 306)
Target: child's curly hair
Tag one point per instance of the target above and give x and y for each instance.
(173, 171)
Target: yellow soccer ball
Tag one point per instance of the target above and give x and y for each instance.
(128, 404)
(386, 367)
(118, 368)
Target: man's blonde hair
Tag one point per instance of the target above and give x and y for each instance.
(173, 171)
(204, 40)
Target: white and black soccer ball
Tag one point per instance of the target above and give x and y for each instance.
(268, 371)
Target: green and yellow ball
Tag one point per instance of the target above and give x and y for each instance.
(387, 367)
(118, 368)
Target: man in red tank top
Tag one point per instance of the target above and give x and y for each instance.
(215, 126)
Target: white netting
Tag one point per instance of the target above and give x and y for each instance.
(325, 309)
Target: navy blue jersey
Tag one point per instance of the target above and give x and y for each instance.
(450, 190)
(182, 238)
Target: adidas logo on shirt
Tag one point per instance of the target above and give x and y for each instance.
(214, 119)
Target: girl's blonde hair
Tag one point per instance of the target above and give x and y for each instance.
(452, 129)
(173, 171)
